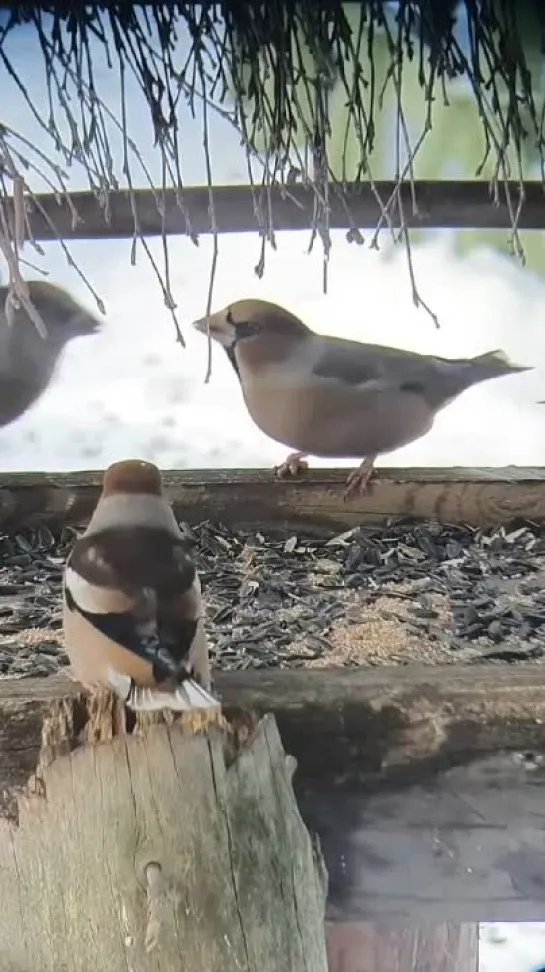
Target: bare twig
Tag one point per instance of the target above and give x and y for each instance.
(270, 75)
(402, 135)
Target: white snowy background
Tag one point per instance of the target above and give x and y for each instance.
(512, 948)
(133, 391)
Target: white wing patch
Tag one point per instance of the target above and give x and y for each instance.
(93, 599)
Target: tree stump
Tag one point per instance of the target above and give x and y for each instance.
(161, 848)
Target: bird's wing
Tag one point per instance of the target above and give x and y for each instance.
(371, 368)
(121, 626)
(137, 594)
(181, 626)
(369, 365)
(134, 558)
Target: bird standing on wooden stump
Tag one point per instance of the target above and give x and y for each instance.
(133, 615)
(335, 398)
(28, 361)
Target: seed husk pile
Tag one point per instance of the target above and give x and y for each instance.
(393, 593)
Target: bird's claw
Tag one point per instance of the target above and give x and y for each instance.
(294, 465)
(359, 482)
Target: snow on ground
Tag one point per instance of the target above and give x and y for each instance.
(512, 948)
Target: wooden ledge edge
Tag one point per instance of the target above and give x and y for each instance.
(284, 688)
(344, 727)
(314, 500)
(316, 475)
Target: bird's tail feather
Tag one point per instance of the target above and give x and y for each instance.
(186, 697)
(498, 363)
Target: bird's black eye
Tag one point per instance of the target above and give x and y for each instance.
(245, 329)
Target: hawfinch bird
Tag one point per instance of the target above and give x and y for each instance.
(334, 398)
(132, 610)
(28, 362)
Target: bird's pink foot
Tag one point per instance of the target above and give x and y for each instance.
(294, 465)
(359, 479)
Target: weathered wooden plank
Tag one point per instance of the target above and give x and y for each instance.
(344, 726)
(141, 853)
(440, 204)
(360, 947)
(315, 501)
(464, 844)
(425, 786)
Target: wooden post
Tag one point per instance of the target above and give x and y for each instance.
(159, 848)
(358, 947)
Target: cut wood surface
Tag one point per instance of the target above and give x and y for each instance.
(359, 947)
(150, 852)
(423, 785)
(315, 501)
(439, 204)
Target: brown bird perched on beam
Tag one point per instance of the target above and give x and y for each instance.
(334, 398)
(28, 361)
(133, 616)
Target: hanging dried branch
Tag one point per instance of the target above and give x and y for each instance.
(269, 69)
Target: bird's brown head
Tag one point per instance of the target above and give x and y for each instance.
(132, 476)
(255, 331)
(63, 317)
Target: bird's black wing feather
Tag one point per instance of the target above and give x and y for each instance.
(121, 628)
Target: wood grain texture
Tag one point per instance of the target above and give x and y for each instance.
(240, 887)
(315, 502)
(344, 726)
(425, 787)
(439, 204)
(360, 947)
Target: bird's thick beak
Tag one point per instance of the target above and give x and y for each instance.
(202, 325)
(85, 324)
(218, 328)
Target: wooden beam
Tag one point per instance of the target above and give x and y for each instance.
(425, 786)
(314, 502)
(441, 948)
(440, 204)
(161, 850)
(344, 726)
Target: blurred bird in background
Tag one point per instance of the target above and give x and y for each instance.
(334, 398)
(28, 361)
(132, 611)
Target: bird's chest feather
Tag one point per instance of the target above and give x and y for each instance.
(282, 405)
(331, 420)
